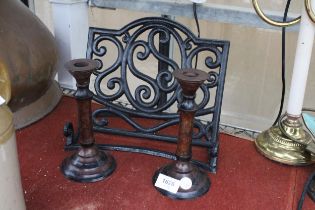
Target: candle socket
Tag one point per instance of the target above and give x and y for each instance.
(88, 164)
(285, 142)
(182, 169)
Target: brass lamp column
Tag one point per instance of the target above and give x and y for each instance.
(285, 142)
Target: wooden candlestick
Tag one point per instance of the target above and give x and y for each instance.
(88, 164)
(193, 181)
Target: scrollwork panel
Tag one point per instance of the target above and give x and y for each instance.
(132, 77)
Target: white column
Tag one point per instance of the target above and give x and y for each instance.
(11, 191)
(71, 26)
(31, 5)
(301, 64)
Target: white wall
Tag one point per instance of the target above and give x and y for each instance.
(253, 83)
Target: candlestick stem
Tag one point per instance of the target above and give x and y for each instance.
(88, 164)
(193, 181)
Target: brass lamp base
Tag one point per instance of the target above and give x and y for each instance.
(276, 143)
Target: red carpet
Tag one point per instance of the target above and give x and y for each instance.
(244, 180)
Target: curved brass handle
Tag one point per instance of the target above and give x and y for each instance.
(309, 10)
(273, 22)
(5, 83)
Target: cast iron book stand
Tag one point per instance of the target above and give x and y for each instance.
(183, 169)
(148, 40)
(88, 164)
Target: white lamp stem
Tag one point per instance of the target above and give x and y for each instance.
(301, 64)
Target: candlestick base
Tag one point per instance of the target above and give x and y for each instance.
(198, 186)
(276, 143)
(311, 190)
(88, 165)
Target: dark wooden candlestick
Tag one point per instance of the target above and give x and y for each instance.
(182, 169)
(88, 164)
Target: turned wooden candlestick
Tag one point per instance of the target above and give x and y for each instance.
(88, 164)
(194, 182)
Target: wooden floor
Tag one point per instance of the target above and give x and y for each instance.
(245, 180)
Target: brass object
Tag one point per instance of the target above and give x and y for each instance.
(88, 164)
(182, 169)
(5, 84)
(292, 128)
(285, 142)
(261, 14)
(6, 125)
(309, 10)
(6, 116)
(27, 63)
(39, 108)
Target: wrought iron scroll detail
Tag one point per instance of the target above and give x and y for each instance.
(140, 40)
